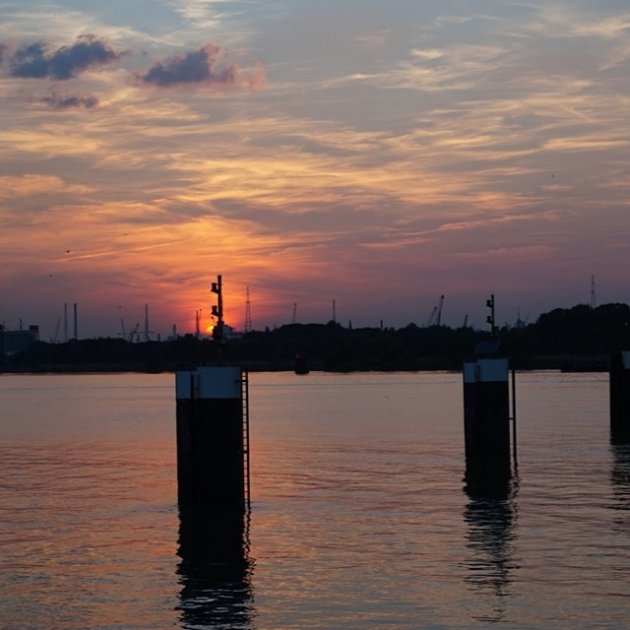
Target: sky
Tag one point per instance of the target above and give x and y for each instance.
(375, 155)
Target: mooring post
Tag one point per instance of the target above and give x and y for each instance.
(487, 422)
(212, 438)
(620, 396)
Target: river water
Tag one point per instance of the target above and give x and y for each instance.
(359, 515)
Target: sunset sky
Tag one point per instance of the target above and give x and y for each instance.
(378, 154)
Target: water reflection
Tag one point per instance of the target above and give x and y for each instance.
(491, 517)
(215, 569)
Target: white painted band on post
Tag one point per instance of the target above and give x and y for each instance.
(486, 371)
(183, 385)
(208, 383)
(493, 370)
(471, 372)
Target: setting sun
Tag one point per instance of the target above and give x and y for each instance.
(414, 152)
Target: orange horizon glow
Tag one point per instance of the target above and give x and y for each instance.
(464, 149)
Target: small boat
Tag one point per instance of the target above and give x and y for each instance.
(301, 364)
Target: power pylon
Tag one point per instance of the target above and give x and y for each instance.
(248, 313)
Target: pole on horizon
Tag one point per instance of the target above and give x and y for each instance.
(217, 310)
(491, 319)
(620, 397)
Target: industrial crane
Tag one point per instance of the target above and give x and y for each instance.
(439, 313)
(436, 310)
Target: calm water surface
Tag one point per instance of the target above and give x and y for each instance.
(359, 516)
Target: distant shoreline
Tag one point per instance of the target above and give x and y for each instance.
(580, 339)
(590, 363)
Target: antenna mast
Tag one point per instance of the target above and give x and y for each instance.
(248, 314)
(491, 318)
(593, 294)
(146, 322)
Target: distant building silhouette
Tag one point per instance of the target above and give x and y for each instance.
(12, 341)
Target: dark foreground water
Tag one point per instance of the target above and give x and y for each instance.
(359, 517)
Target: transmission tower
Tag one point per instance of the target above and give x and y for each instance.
(593, 294)
(146, 323)
(248, 314)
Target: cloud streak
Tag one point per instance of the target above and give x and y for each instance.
(60, 102)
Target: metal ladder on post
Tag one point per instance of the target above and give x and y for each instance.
(246, 464)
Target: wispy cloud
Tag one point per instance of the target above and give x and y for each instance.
(31, 184)
(61, 102)
(205, 13)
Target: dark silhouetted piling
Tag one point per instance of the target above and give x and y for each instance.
(213, 438)
(620, 397)
(487, 422)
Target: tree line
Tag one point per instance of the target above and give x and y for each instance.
(577, 338)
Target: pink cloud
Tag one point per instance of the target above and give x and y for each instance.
(207, 66)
